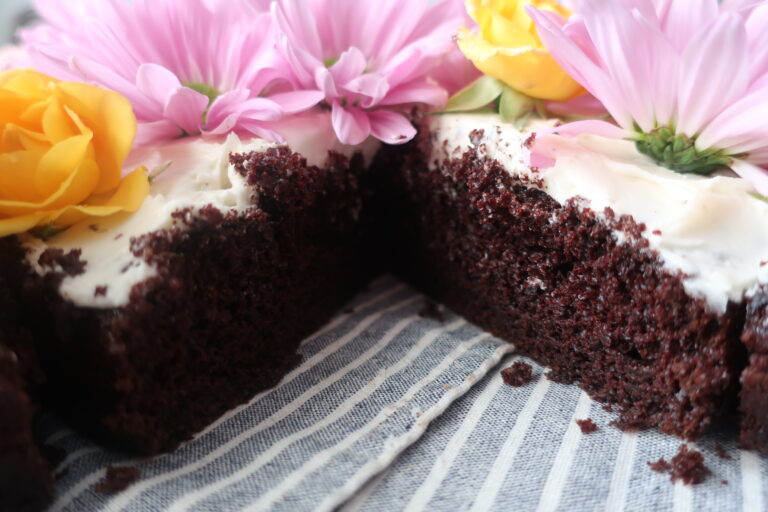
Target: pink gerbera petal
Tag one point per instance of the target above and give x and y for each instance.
(351, 124)
(366, 56)
(172, 59)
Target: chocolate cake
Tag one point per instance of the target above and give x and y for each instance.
(26, 482)
(241, 250)
(599, 296)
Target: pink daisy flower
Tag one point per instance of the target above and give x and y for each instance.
(370, 59)
(687, 80)
(188, 66)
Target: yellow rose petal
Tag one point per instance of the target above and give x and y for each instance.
(507, 47)
(62, 147)
(60, 162)
(14, 225)
(114, 113)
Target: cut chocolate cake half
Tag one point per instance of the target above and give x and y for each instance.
(618, 274)
(26, 483)
(149, 326)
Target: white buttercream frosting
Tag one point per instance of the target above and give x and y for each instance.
(710, 228)
(198, 174)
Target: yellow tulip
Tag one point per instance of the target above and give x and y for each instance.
(507, 47)
(62, 147)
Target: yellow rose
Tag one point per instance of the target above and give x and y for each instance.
(62, 147)
(507, 47)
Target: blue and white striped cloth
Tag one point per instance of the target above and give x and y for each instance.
(392, 411)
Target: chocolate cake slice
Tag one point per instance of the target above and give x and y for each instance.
(150, 326)
(615, 273)
(26, 483)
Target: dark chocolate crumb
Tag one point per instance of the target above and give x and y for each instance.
(118, 479)
(70, 263)
(724, 482)
(476, 137)
(660, 466)
(431, 310)
(94, 227)
(517, 375)
(530, 140)
(721, 452)
(608, 408)
(119, 236)
(587, 426)
(100, 291)
(687, 465)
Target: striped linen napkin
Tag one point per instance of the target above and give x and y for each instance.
(370, 383)
(391, 411)
(504, 448)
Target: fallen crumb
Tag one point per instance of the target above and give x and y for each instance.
(517, 375)
(118, 479)
(721, 452)
(431, 310)
(660, 466)
(587, 426)
(687, 466)
(100, 291)
(608, 408)
(724, 482)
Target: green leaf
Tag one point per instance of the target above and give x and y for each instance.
(46, 232)
(476, 95)
(514, 106)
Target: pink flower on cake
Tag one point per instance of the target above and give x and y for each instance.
(188, 66)
(688, 81)
(370, 59)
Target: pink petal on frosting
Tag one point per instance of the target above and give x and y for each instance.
(186, 108)
(741, 127)
(224, 109)
(391, 127)
(350, 65)
(149, 133)
(713, 74)
(585, 105)
(294, 102)
(417, 92)
(350, 124)
(593, 126)
(156, 82)
(757, 176)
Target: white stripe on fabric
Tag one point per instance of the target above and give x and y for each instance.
(751, 482)
(86, 482)
(323, 457)
(558, 475)
(617, 496)
(124, 499)
(191, 499)
(505, 459)
(365, 305)
(442, 466)
(354, 483)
